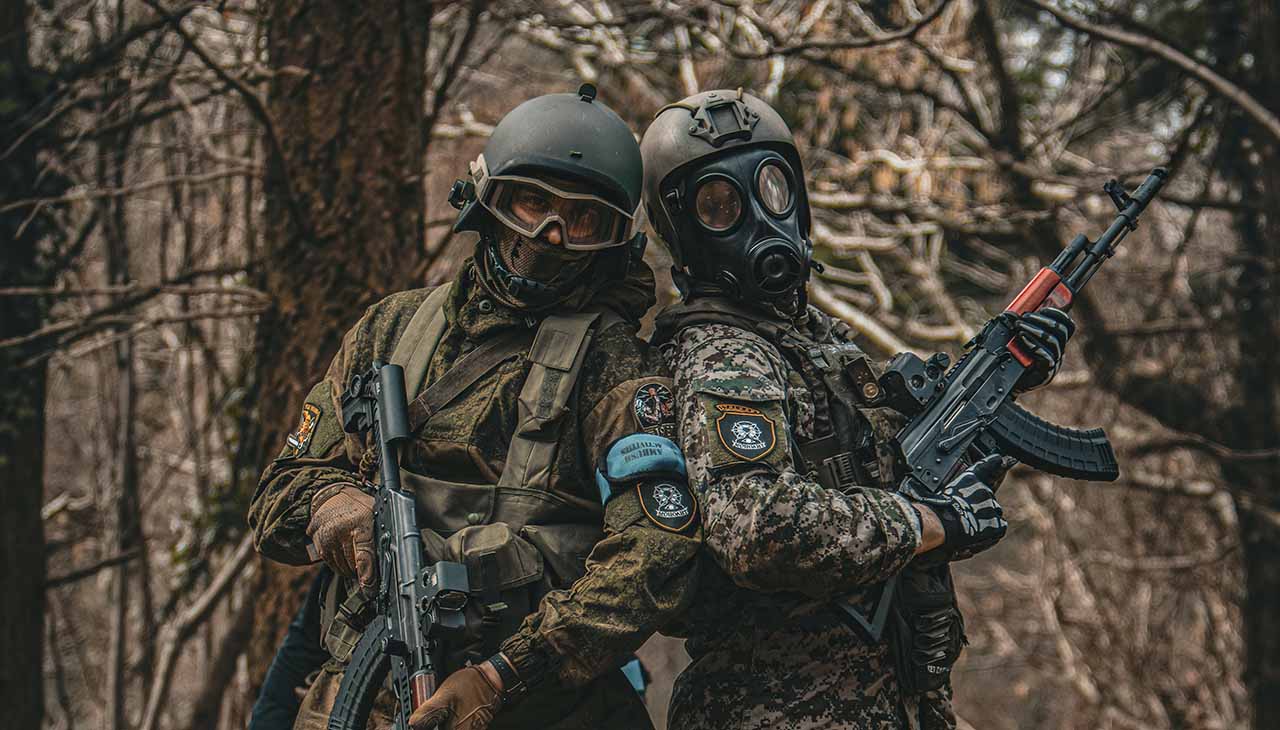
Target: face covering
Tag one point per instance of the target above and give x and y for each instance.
(739, 217)
(532, 272)
(534, 258)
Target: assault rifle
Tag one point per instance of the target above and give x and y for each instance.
(415, 606)
(970, 406)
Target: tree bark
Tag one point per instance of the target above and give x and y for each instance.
(351, 147)
(1259, 329)
(22, 398)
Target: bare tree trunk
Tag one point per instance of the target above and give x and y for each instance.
(345, 210)
(22, 601)
(126, 474)
(1259, 303)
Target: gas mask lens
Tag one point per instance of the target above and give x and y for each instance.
(774, 188)
(718, 204)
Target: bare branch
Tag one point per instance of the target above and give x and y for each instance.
(92, 570)
(869, 41)
(177, 633)
(1151, 46)
(883, 339)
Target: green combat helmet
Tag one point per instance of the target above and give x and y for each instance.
(581, 164)
(724, 188)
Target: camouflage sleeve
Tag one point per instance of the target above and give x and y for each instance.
(768, 526)
(317, 452)
(639, 577)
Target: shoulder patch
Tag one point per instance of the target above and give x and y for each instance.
(298, 441)
(668, 504)
(654, 408)
(745, 432)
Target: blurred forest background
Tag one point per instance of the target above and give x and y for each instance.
(196, 200)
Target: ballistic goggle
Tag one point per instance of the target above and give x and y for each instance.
(528, 205)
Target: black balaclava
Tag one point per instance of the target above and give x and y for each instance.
(531, 273)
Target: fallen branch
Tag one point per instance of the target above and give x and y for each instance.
(183, 628)
(882, 338)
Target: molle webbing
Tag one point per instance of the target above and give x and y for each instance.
(557, 354)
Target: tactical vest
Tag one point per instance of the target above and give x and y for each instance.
(851, 446)
(517, 538)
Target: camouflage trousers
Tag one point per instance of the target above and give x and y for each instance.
(609, 703)
(810, 674)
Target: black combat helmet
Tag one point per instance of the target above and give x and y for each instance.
(571, 137)
(581, 162)
(724, 188)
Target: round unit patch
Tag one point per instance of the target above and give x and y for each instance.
(668, 504)
(744, 431)
(654, 406)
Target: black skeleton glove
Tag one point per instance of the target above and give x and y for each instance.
(967, 508)
(1043, 335)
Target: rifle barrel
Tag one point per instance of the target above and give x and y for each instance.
(1126, 221)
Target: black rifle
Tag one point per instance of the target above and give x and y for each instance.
(970, 407)
(415, 606)
(958, 415)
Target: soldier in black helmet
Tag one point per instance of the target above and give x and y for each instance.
(829, 604)
(540, 455)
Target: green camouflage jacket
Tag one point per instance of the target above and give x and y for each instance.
(638, 576)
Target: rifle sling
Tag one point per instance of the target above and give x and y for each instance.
(465, 373)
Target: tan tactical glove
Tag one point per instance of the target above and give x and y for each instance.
(341, 529)
(467, 700)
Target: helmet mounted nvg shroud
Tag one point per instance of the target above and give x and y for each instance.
(576, 156)
(724, 187)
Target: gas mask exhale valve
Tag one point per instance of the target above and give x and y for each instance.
(775, 267)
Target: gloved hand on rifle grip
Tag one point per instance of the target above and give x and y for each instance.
(971, 517)
(341, 529)
(467, 700)
(1043, 334)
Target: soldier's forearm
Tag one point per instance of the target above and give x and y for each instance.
(281, 509)
(785, 533)
(931, 533)
(639, 581)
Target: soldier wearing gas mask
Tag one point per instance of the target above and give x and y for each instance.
(817, 609)
(539, 456)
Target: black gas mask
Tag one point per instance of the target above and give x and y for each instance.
(737, 216)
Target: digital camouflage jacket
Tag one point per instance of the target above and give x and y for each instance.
(769, 646)
(637, 576)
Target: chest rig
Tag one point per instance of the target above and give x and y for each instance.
(849, 443)
(518, 538)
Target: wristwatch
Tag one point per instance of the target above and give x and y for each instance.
(513, 688)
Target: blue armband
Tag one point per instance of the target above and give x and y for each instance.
(638, 457)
